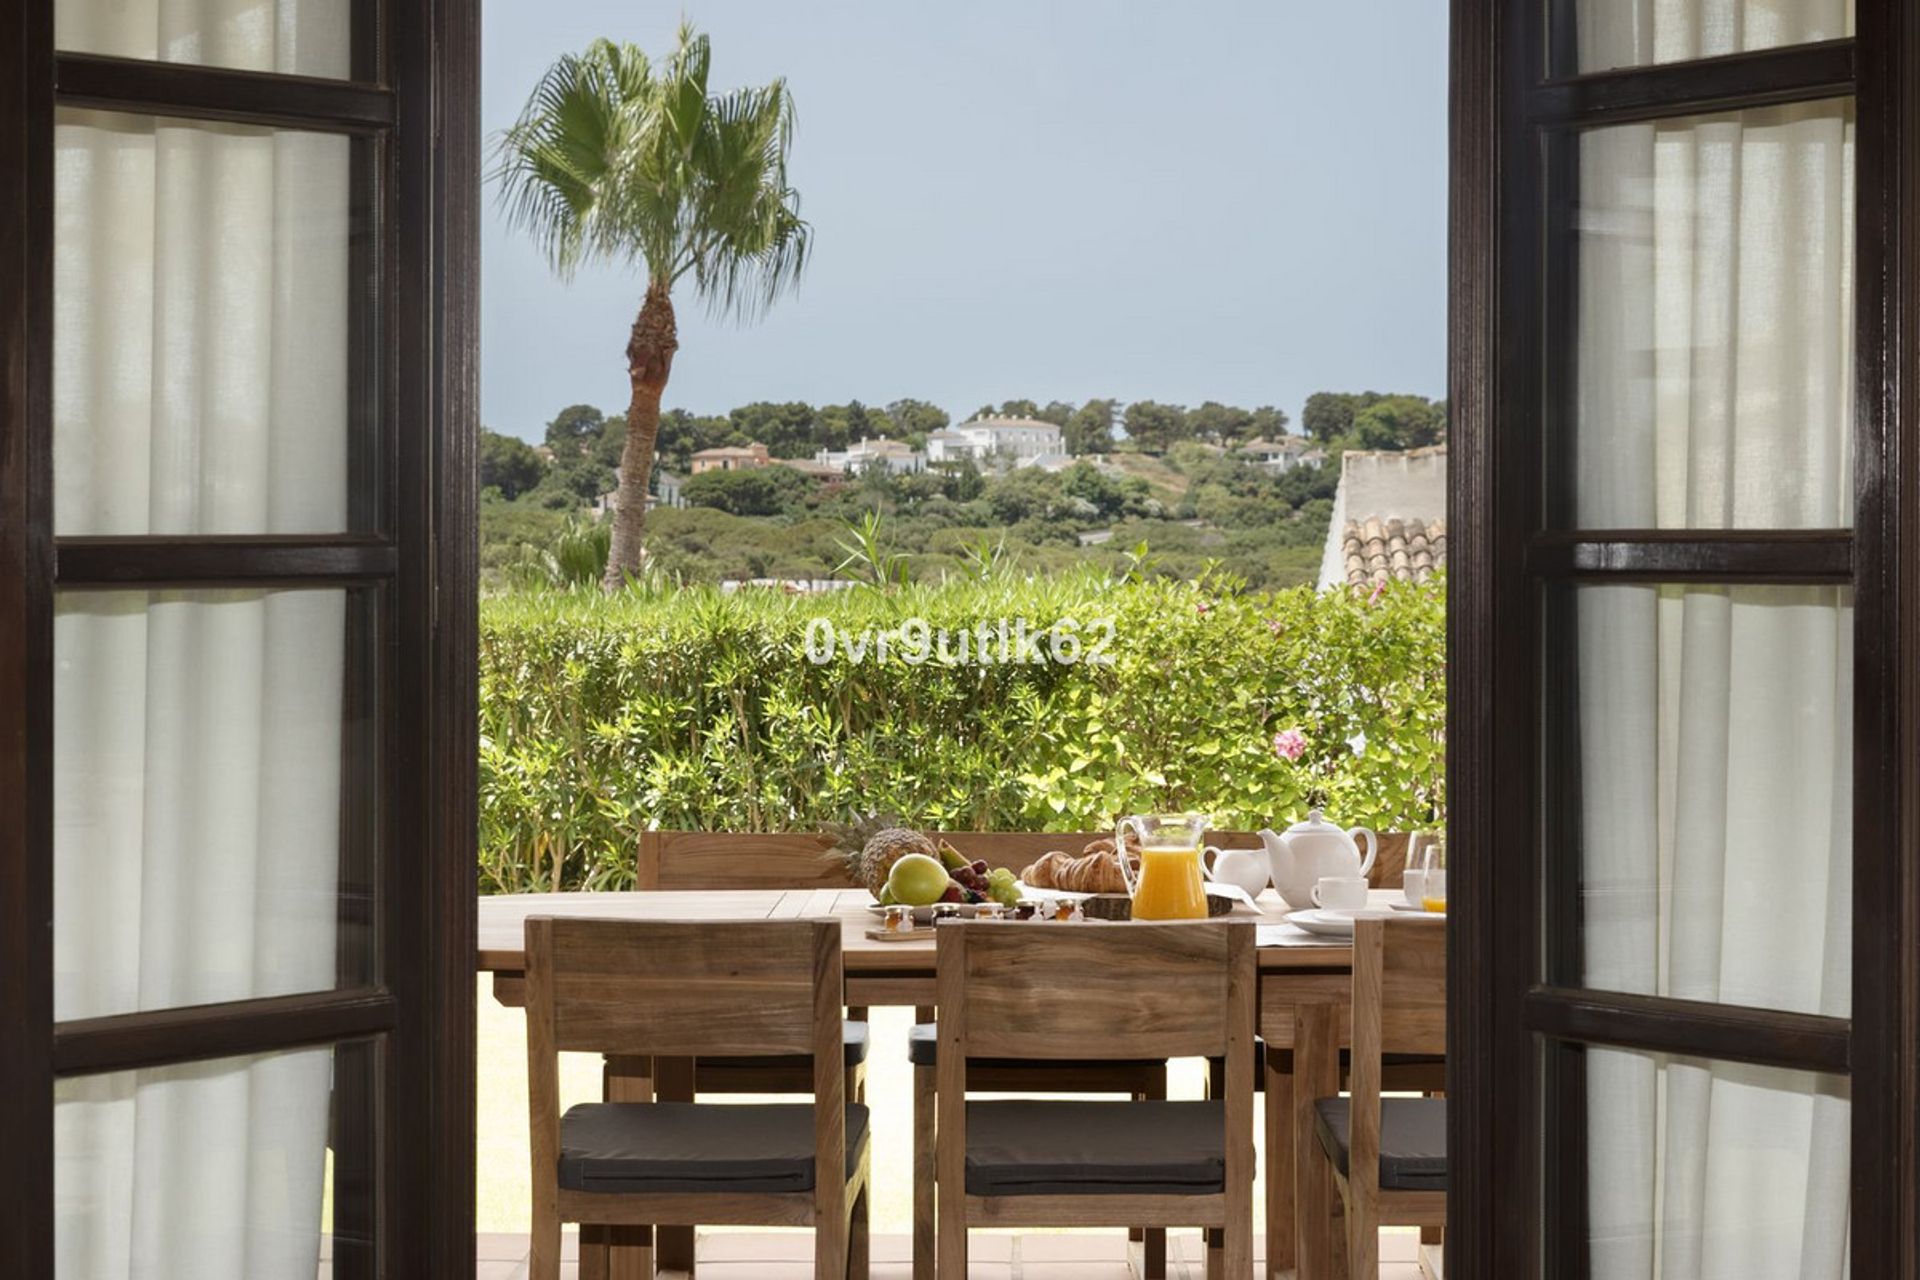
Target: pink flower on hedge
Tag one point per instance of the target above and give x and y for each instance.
(1273, 625)
(1289, 744)
(1204, 608)
(1379, 589)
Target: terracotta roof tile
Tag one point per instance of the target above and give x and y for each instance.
(1377, 551)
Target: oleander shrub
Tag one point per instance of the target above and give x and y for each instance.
(683, 708)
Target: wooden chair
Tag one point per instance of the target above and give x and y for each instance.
(1012, 990)
(685, 989)
(1142, 1080)
(1390, 1156)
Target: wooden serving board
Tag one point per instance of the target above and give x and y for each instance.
(1118, 906)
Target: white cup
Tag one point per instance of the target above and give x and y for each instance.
(1340, 893)
(1414, 885)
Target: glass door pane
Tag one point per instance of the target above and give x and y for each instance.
(1712, 1170)
(1611, 34)
(1712, 322)
(254, 1168)
(216, 774)
(293, 37)
(1704, 745)
(212, 329)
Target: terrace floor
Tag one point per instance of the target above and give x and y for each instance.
(787, 1255)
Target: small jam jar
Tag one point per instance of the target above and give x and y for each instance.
(990, 911)
(898, 919)
(1027, 909)
(1065, 909)
(945, 911)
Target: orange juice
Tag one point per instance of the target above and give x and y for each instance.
(1170, 885)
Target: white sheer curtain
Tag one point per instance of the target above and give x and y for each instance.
(200, 352)
(294, 37)
(1635, 33)
(1715, 351)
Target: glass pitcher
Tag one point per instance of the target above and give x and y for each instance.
(1170, 885)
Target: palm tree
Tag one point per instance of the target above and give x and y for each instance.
(619, 160)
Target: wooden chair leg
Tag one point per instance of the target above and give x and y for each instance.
(1316, 1066)
(924, 1241)
(1363, 1242)
(1238, 1242)
(620, 1252)
(1216, 1256)
(543, 1260)
(1154, 1249)
(594, 1261)
(1279, 1158)
(950, 1216)
(830, 1239)
(674, 1245)
(859, 1248)
(630, 1256)
(1135, 1235)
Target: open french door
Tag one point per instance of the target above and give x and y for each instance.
(237, 591)
(1686, 565)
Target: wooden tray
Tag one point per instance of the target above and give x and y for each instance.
(1118, 906)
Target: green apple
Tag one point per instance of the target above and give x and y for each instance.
(917, 880)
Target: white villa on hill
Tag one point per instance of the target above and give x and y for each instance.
(896, 456)
(1283, 454)
(993, 440)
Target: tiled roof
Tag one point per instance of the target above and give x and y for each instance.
(1379, 550)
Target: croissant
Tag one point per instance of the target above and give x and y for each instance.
(1095, 872)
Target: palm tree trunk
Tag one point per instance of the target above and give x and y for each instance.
(650, 351)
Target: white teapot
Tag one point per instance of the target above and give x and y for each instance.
(1312, 849)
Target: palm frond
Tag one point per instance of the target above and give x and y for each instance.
(620, 159)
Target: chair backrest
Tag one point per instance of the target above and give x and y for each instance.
(805, 860)
(1016, 989)
(1400, 983)
(1135, 990)
(684, 988)
(1399, 1006)
(1391, 862)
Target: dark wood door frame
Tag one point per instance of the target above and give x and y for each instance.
(1514, 1200)
(415, 101)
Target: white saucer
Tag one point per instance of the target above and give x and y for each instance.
(1331, 924)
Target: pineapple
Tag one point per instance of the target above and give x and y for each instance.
(870, 850)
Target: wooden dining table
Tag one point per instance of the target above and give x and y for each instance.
(1305, 994)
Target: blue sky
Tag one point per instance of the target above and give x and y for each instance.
(1237, 200)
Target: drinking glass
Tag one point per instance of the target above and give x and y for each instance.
(1433, 861)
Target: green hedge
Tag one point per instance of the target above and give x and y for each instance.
(689, 709)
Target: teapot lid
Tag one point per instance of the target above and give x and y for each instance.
(1316, 820)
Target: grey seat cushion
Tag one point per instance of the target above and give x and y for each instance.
(853, 1037)
(923, 1050)
(689, 1146)
(1095, 1148)
(1413, 1140)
